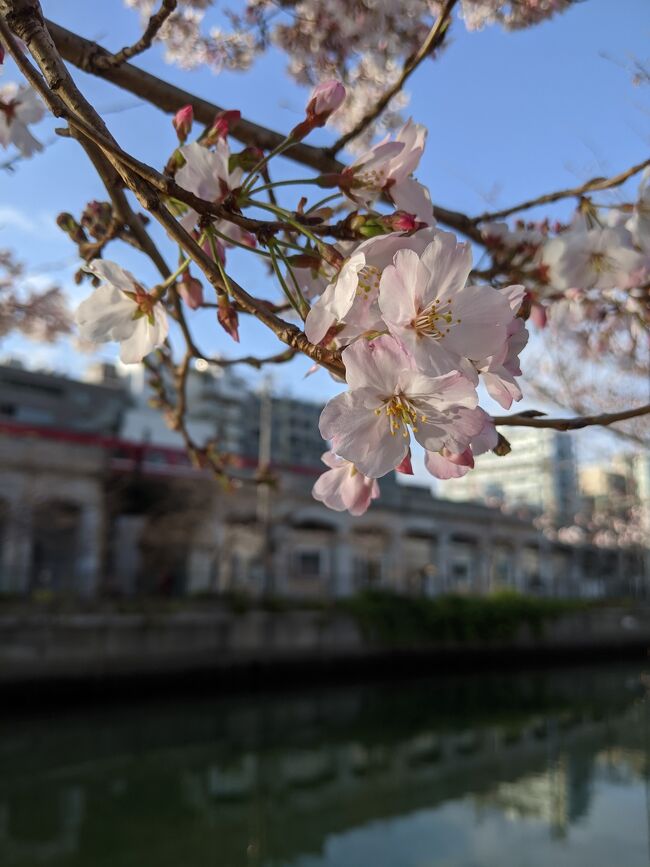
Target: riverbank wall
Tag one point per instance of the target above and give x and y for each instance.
(59, 653)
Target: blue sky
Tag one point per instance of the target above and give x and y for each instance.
(510, 115)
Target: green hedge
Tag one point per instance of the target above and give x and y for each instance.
(394, 619)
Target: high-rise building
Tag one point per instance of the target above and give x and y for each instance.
(295, 438)
(539, 473)
(218, 402)
(609, 489)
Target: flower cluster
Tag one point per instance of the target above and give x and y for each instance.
(416, 337)
(362, 42)
(513, 14)
(38, 314)
(589, 276)
(120, 309)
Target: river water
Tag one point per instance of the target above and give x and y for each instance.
(548, 768)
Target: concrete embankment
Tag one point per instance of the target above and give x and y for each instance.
(110, 651)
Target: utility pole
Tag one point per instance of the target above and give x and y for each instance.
(264, 488)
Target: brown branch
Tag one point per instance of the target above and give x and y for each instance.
(64, 99)
(254, 361)
(107, 172)
(85, 55)
(575, 406)
(151, 31)
(592, 186)
(433, 40)
(564, 424)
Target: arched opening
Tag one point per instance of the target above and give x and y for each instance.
(503, 573)
(419, 563)
(370, 555)
(310, 563)
(55, 546)
(463, 566)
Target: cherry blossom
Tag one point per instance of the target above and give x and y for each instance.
(187, 46)
(206, 173)
(388, 168)
(120, 309)
(350, 303)
(36, 313)
(19, 107)
(388, 398)
(426, 303)
(363, 42)
(511, 14)
(499, 371)
(446, 464)
(590, 258)
(343, 487)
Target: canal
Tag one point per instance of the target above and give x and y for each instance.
(545, 768)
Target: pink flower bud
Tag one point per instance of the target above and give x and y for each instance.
(221, 126)
(400, 221)
(182, 122)
(227, 317)
(326, 97)
(224, 121)
(191, 291)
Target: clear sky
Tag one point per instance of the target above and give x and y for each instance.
(510, 115)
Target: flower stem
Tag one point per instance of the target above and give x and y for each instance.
(284, 215)
(252, 177)
(283, 282)
(322, 202)
(287, 183)
(303, 306)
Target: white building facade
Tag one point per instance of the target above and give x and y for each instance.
(539, 473)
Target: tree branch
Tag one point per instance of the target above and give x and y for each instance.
(151, 31)
(254, 361)
(433, 40)
(85, 54)
(64, 99)
(592, 186)
(564, 424)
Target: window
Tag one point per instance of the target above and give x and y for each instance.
(309, 564)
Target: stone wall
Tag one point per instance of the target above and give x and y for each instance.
(46, 647)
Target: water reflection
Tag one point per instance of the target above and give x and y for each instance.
(547, 769)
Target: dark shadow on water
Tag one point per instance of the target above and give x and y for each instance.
(547, 767)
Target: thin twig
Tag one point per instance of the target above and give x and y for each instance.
(84, 54)
(594, 185)
(254, 361)
(576, 423)
(434, 38)
(61, 94)
(145, 41)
